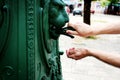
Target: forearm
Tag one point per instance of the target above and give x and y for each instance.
(112, 59)
(86, 30)
(113, 28)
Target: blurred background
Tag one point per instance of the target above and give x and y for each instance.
(97, 6)
(96, 13)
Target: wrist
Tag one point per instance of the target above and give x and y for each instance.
(91, 52)
(88, 52)
(93, 31)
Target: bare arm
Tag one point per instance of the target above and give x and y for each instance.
(113, 28)
(85, 30)
(79, 53)
(110, 58)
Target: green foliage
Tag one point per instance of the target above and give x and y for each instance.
(104, 3)
(113, 1)
(107, 2)
(80, 0)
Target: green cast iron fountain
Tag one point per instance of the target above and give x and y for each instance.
(29, 32)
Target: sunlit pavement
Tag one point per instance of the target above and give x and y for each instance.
(90, 68)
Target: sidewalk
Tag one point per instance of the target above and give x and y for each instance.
(89, 68)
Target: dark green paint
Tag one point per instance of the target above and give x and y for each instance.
(28, 46)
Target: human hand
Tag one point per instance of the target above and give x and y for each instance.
(81, 29)
(77, 53)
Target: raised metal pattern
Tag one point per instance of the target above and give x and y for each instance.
(28, 51)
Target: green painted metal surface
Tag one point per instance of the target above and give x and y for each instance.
(28, 39)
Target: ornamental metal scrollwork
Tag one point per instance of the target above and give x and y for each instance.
(52, 13)
(6, 72)
(57, 17)
(4, 25)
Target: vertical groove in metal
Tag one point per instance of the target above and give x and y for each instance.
(30, 23)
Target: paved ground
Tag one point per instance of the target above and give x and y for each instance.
(90, 68)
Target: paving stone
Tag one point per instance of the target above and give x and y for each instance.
(91, 68)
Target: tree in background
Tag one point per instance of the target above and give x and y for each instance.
(87, 6)
(112, 8)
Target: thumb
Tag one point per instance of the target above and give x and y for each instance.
(71, 32)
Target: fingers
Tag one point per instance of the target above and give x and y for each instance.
(72, 25)
(75, 26)
(76, 54)
(72, 32)
(71, 53)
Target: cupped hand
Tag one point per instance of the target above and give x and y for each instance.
(77, 53)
